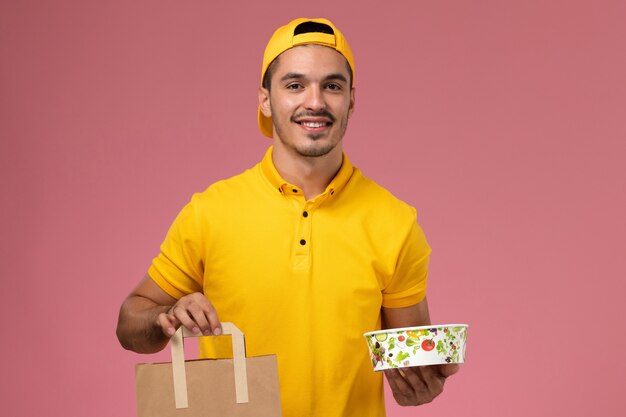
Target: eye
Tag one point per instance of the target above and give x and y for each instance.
(333, 86)
(294, 86)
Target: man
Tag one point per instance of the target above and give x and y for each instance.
(302, 252)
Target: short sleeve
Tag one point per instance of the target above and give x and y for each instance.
(408, 284)
(179, 267)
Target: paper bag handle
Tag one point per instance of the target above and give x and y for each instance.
(178, 364)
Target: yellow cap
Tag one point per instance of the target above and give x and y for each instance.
(302, 31)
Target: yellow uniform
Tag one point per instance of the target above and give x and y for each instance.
(302, 279)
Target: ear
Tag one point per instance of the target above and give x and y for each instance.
(264, 102)
(351, 108)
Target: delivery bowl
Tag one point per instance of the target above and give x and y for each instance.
(417, 346)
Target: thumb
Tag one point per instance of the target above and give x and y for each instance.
(449, 369)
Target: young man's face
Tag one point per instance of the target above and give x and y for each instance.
(310, 99)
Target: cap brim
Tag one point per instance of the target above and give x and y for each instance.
(265, 125)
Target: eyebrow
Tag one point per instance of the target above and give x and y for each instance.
(297, 76)
(338, 76)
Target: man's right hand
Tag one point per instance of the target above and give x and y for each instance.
(195, 312)
(149, 317)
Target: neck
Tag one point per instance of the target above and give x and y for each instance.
(311, 174)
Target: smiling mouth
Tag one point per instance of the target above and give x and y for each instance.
(314, 121)
(314, 125)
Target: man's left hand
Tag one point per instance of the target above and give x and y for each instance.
(419, 384)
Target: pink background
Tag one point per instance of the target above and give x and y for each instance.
(502, 122)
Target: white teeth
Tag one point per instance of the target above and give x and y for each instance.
(313, 124)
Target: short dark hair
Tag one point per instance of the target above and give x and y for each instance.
(267, 78)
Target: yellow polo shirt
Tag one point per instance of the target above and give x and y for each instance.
(302, 279)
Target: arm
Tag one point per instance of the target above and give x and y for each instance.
(415, 315)
(419, 384)
(149, 317)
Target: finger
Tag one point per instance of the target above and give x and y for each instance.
(172, 318)
(414, 377)
(393, 375)
(426, 382)
(199, 317)
(182, 315)
(216, 325)
(447, 370)
(167, 326)
(433, 380)
(400, 388)
(393, 378)
(206, 316)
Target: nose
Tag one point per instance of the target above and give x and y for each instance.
(314, 99)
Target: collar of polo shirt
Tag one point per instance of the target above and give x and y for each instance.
(283, 187)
